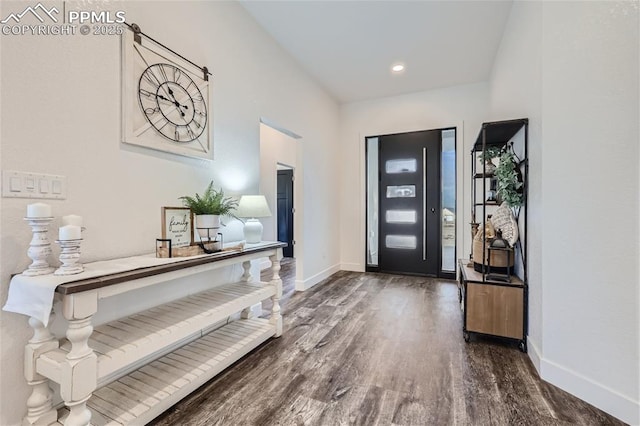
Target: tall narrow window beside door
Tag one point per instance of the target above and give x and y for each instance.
(448, 200)
(372, 202)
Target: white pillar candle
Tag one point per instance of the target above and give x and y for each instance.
(69, 232)
(72, 219)
(38, 210)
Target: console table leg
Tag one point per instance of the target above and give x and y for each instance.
(39, 407)
(79, 414)
(246, 277)
(276, 317)
(78, 334)
(79, 375)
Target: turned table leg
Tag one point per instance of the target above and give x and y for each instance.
(80, 370)
(276, 317)
(246, 277)
(39, 407)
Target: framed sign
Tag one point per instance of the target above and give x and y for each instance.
(177, 226)
(166, 100)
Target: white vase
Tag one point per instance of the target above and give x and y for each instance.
(207, 225)
(489, 167)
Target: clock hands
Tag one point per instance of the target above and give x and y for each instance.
(174, 102)
(149, 94)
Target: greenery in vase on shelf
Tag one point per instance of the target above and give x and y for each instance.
(509, 180)
(490, 153)
(212, 202)
(488, 167)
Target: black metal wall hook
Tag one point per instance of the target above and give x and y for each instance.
(137, 37)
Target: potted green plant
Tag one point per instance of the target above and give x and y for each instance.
(209, 207)
(509, 180)
(487, 156)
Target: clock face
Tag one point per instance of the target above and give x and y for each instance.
(172, 103)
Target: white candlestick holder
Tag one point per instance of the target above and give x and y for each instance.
(70, 257)
(39, 247)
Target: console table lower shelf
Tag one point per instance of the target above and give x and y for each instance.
(142, 395)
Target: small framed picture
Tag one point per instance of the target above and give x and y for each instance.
(177, 226)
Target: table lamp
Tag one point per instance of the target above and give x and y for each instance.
(253, 207)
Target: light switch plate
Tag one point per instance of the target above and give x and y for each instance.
(15, 184)
(33, 185)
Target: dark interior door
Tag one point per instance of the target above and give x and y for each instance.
(285, 210)
(409, 165)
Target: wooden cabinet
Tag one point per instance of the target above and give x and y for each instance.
(130, 370)
(490, 307)
(494, 309)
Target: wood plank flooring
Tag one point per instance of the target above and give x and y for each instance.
(377, 349)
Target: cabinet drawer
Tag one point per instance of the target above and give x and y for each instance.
(495, 309)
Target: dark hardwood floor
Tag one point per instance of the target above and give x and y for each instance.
(377, 349)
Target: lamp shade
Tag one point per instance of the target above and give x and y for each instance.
(253, 206)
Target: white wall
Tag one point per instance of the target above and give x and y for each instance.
(572, 67)
(590, 117)
(64, 118)
(464, 107)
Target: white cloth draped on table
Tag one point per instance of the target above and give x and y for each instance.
(33, 296)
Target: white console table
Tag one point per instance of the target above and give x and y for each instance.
(99, 370)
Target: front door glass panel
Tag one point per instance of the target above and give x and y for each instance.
(401, 242)
(401, 191)
(409, 165)
(401, 216)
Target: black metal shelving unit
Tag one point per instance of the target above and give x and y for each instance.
(498, 134)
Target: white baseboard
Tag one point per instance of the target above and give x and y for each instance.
(596, 394)
(354, 267)
(302, 285)
(534, 354)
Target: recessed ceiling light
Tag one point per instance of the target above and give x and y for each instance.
(397, 68)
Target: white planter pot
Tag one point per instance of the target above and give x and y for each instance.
(207, 224)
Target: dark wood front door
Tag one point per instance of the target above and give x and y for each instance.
(409, 165)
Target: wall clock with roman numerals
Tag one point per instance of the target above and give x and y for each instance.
(166, 100)
(172, 103)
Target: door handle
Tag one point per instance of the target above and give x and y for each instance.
(433, 210)
(424, 203)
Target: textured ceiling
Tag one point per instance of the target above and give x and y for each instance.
(349, 46)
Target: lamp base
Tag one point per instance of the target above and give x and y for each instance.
(253, 231)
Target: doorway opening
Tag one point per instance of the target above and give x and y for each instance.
(281, 149)
(285, 208)
(411, 203)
